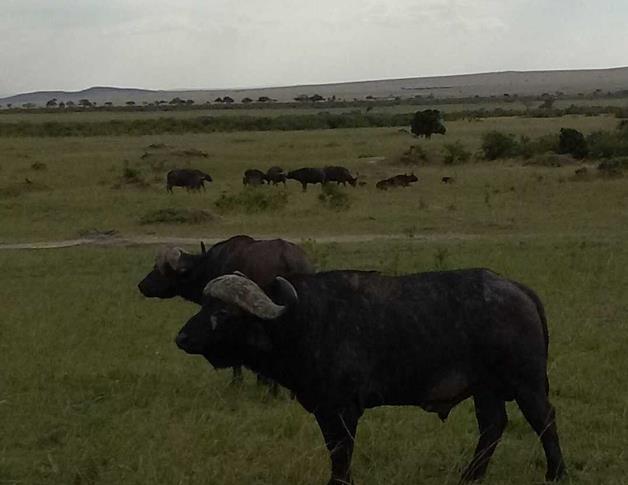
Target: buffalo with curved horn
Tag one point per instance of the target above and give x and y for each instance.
(346, 341)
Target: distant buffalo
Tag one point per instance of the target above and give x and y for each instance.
(401, 180)
(190, 178)
(276, 175)
(447, 180)
(340, 175)
(308, 176)
(254, 177)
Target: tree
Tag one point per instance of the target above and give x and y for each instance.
(218, 100)
(85, 103)
(427, 123)
(264, 99)
(177, 101)
(247, 100)
(130, 103)
(302, 98)
(70, 104)
(573, 142)
(61, 105)
(52, 103)
(227, 99)
(316, 98)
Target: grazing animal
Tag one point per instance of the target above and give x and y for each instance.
(179, 273)
(340, 175)
(276, 175)
(401, 180)
(447, 180)
(307, 176)
(346, 341)
(254, 177)
(190, 178)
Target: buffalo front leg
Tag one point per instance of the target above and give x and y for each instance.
(339, 433)
(490, 412)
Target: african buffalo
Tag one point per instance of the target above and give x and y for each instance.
(340, 175)
(276, 175)
(307, 176)
(179, 273)
(401, 180)
(253, 176)
(190, 178)
(345, 341)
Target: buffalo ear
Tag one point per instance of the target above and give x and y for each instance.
(203, 249)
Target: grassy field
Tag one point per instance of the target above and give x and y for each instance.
(82, 187)
(94, 391)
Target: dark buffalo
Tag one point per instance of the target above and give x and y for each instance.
(190, 178)
(307, 176)
(254, 177)
(447, 180)
(345, 341)
(179, 273)
(276, 175)
(340, 175)
(401, 180)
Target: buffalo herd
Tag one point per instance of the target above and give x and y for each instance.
(193, 179)
(346, 341)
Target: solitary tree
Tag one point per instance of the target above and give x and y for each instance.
(427, 123)
(52, 103)
(247, 100)
(85, 103)
(227, 99)
(573, 142)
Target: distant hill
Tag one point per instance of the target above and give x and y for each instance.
(523, 83)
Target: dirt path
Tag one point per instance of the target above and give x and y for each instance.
(131, 240)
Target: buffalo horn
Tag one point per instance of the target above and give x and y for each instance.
(203, 248)
(244, 293)
(168, 256)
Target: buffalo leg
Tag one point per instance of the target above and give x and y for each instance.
(304, 187)
(339, 434)
(236, 378)
(539, 412)
(490, 412)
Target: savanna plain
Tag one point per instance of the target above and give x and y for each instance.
(94, 391)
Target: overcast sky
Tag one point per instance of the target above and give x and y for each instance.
(166, 44)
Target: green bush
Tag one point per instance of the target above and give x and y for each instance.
(334, 198)
(499, 145)
(455, 153)
(608, 144)
(252, 199)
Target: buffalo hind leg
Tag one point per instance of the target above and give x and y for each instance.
(536, 408)
(490, 412)
(339, 434)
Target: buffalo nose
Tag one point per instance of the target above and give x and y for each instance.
(181, 340)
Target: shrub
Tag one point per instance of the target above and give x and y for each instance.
(177, 216)
(529, 148)
(455, 153)
(334, 198)
(427, 123)
(607, 144)
(499, 145)
(252, 199)
(413, 155)
(573, 142)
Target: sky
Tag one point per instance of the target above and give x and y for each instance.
(176, 44)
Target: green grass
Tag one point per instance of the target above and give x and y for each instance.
(93, 389)
(84, 188)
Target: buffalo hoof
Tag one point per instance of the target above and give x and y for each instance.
(558, 474)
